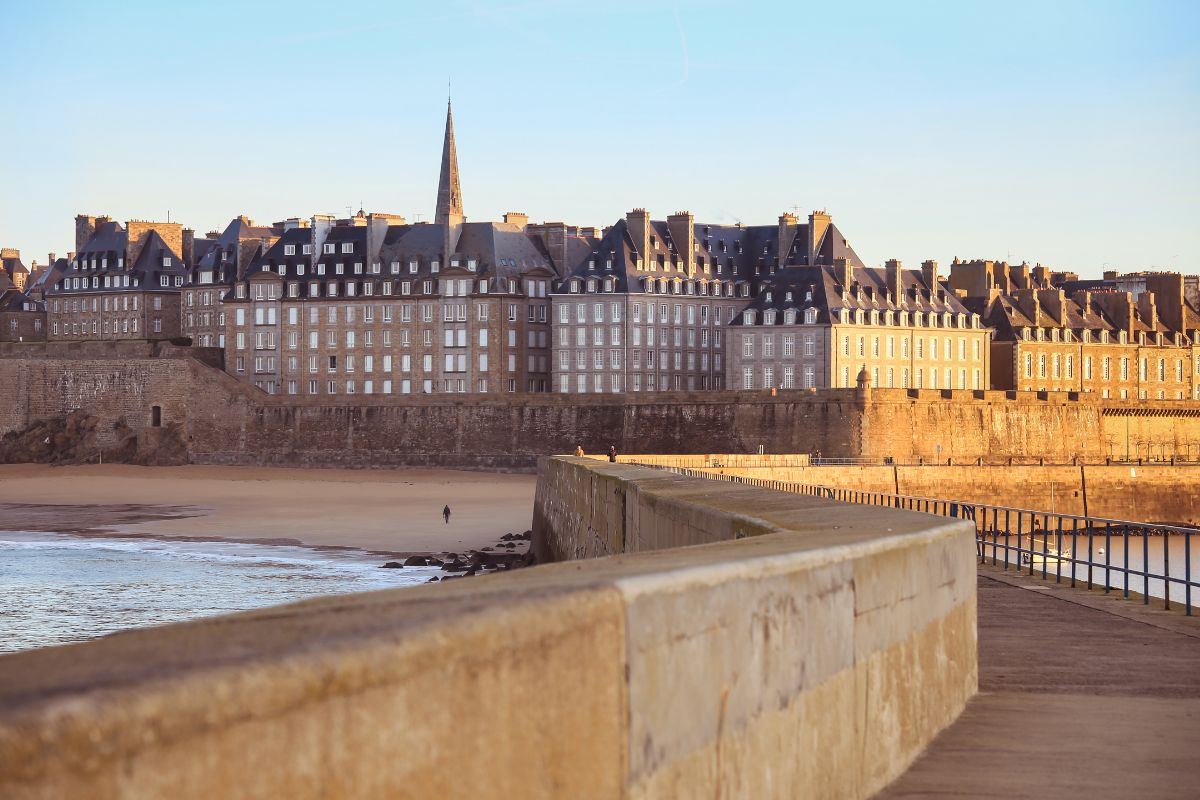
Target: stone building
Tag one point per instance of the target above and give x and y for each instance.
(647, 309)
(675, 305)
(16, 272)
(214, 263)
(374, 305)
(820, 326)
(22, 319)
(122, 283)
(42, 277)
(1106, 342)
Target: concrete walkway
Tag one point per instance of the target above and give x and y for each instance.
(1080, 695)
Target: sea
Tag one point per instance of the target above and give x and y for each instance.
(56, 588)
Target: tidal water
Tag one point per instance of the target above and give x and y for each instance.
(1155, 555)
(56, 589)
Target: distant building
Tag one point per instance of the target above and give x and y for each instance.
(16, 272)
(123, 282)
(374, 305)
(214, 264)
(676, 305)
(22, 319)
(820, 326)
(1107, 342)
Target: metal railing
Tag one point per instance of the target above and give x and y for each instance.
(1042, 542)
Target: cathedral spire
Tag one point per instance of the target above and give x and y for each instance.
(449, 199)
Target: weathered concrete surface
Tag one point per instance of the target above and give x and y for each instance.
(816, 670)
(1081, 695)
(813, 660)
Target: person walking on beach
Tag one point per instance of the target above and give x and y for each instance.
(446, 514)
(612, 453)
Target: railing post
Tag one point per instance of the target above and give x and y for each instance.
(1145, 565)
(1166, 570)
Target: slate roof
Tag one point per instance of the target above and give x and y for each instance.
(107, 247)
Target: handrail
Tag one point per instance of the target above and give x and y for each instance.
(1029, 538)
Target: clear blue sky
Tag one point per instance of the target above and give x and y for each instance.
(1064, 132)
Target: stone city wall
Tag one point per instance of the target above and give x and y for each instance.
(1145, 493)
(222, 421)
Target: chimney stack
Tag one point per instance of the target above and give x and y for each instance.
(1168, 290)
(638, 222)
(683, 235)
(516, 218)
(789, 226)
(929, 273)
(895, 283)
(818, 224)
(843, 271)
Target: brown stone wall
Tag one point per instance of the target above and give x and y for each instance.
(171, 233)
(1150, 493)
(227, 421)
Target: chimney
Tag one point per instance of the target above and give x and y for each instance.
(189, 245)
(1118, 306)
(1053, 301)
(789, 226)
(1168, 290)
(843, 272)
(895, 283)
(1148, 310)
(554, 238)
(683, 235)
(1111, 275)
(1041, 276)
(929, 273)
(1019, 275)
(818, 224)
(1027, 300)
(85, 227)
(638, 222)
(516, 218)
(53, 258)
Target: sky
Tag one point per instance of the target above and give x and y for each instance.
(1062, 133)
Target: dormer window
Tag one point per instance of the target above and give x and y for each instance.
(810, 316)
(768, 297)
(435, 266)
(306, 249)
(789, 317)
(591, 285)
(769, 317)
(747, 317)
(347, 247)
(289, 249)
(163, 280)
(591, 263)
(574, 287)
(328, 247)
(338, 268)
(608, 284)
(375, 268)
(471, 264)
(166, 261)
(320, 269)
(281, 269)
(240, 292)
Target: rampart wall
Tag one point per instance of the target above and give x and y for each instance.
(222, 421)
(1145, 493)
(787, 659)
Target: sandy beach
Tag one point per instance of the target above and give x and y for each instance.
(390, 511)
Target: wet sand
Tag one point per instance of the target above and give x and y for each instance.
(387, 511)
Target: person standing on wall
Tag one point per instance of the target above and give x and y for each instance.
(446, 514)
(612, 453)
(579, 451)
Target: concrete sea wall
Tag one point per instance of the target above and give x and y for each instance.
(812, 650)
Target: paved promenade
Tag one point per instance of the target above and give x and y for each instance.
(1080, 695)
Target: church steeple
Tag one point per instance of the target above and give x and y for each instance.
(449, 199)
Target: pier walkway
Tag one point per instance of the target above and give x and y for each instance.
(1080, 695)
